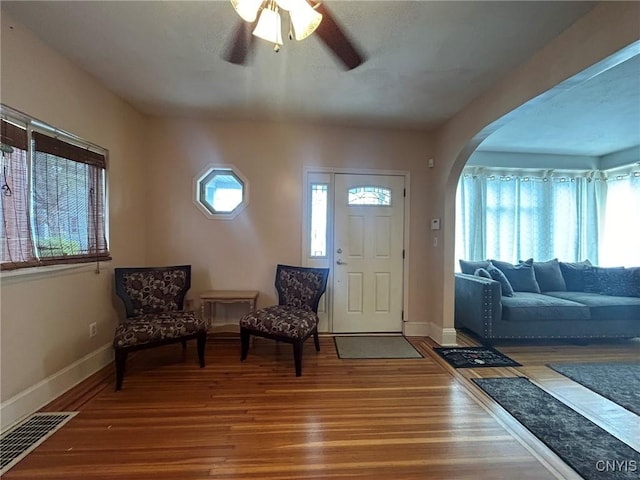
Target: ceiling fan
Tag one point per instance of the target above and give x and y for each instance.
(261, 19)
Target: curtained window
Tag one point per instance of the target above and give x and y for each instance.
(621, 233)
(513, 215)
(53, 198)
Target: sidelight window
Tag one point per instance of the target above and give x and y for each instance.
(319, 204)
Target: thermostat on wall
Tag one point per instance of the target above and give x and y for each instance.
(435, 224)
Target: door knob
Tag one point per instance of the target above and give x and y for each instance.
(339, 250)
(340, 262)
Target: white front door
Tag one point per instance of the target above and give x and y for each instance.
(368, 243)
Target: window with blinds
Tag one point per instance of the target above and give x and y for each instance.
(53, 191)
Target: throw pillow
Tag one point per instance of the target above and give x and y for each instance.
(481, 272)
(591, 279)
(596, 278)
(471, 267)
(572, 273)
(549, 276)
(499, 276)
(634, 278)
(521, 277)
(620, 282)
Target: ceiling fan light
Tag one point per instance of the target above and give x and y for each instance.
(304, 19)
(289, 5)
(269, 27)
(247, 9)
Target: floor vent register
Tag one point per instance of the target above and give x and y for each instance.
(19, 441)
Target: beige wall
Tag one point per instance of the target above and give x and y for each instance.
(243, 252)
(45, 319)
(605, 30)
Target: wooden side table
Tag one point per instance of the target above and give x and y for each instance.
(210, 298)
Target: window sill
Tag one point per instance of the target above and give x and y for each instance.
(27, 274)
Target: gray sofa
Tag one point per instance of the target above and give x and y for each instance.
(565, 312)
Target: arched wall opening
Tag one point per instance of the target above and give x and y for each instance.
(605, 37)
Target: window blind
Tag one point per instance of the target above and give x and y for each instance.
(15, 233)
(53, 205)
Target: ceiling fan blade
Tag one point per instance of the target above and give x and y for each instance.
(333, 36)
(241, 44)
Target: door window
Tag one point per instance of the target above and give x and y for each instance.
(369, 195)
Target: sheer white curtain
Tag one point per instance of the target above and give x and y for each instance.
(470, 215)
(514, 215)
(621, 237)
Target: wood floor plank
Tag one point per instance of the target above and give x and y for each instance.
(343, 419)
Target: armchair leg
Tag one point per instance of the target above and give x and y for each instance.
(121, 360)
(244, 341)
(316, 340)
(202, 341)
(297, 357)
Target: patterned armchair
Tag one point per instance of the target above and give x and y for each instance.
(295, 318)
(153, 299)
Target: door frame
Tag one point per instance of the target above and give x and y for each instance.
(328, 175)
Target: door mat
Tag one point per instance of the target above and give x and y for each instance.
(619, 382)
(375, 347)
(583, 445)
(474, 357)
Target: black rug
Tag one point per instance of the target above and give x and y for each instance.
(587, 448)
(619, 382)
(473, 357)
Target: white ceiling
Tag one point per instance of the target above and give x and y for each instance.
(425, 61)
(595, 118)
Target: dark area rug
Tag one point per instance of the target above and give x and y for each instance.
(619, 382)
(473, 357)
(588, 449)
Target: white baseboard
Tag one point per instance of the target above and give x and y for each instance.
(445, 337)
(449, 337)
(416, 329)
(33, 398)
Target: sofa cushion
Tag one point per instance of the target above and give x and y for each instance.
(521, 277)
(549, 276)
(604, 307)
(498, 276)
(572, 272)
(471, 267)
(596, 278)
(528, 307)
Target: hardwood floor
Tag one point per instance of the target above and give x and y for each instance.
(367, 419)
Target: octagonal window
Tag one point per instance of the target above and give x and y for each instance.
(221, 192)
